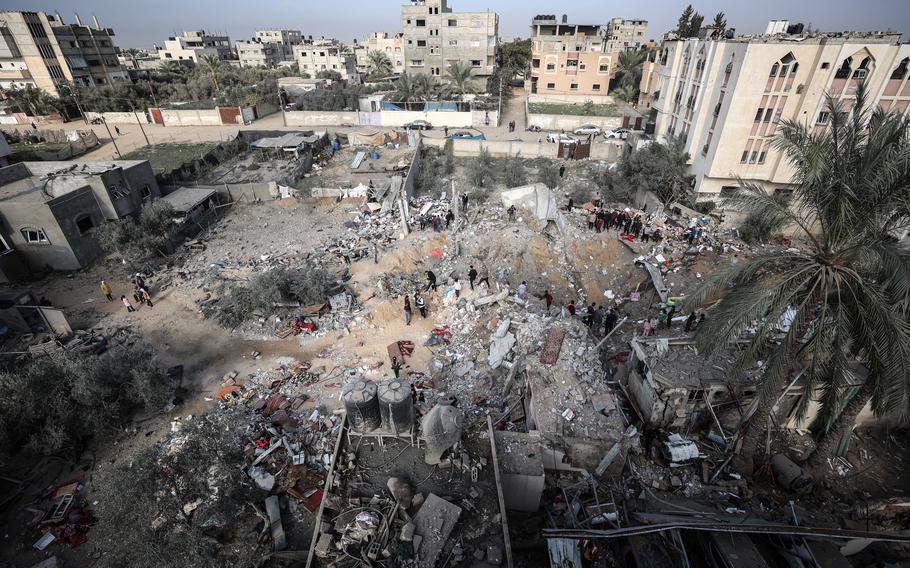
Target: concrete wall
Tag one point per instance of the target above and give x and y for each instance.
(436, 118)
(191, 117)
(391, 119)
(570, 99)
(244, 192)
(569, 122)
(119, 117)
(67, 209)
(321, 118)
(497, 148)
(265, 109)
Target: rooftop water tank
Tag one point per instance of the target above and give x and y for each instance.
(396, 406)
(362, 405)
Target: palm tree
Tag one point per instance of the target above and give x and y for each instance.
(171, 70)
(133, 54)
(405, 91)
(628, 68)
(211, 64)
(379, 64)
(846, 293)
(460, 78)
(626, 93)
(426, 87)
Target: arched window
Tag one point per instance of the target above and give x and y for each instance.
(774, 69)
(901, 70)
(863, 69)
(845, 68)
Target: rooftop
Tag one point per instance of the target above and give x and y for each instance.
(44, 181)
(184, 199)
(676, 362)
(886, 37)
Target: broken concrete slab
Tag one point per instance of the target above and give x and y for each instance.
(434, 523)
(279, 541)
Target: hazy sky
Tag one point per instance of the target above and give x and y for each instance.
(143, 23)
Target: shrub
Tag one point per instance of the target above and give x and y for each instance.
(514, 172)
(704, 207)
(481, 169)
(548, 172)
(139, 240)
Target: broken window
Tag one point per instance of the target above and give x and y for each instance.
(34, 236)
(85, 224)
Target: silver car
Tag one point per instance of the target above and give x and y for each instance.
(587, 130)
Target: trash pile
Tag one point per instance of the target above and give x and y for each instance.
(64, 516)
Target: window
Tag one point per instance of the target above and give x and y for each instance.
(453, 23)
(823, 117)
(742, 160)
(116, 191)
(574, 86)
(4, 246)
(146, 193)
(759, 114)
(421, 43)
(825, 65)
(551, 67)
(551, 85)
(417, 63)
(421, 23)
(768, 113)
(595, 87)
(582, 67)
(753, 157)
(34, 237)
(408, 22)
(85, 224)
(901, 70)
(475, 63)
(453, 42)
(604, 67)
(761, 157)
(774, 69)
(572, 63)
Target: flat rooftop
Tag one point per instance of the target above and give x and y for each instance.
(43, 181)
(680, 365)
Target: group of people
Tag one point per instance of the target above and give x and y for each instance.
(140, 293)
(512, 126)
(664, 320)
(635, 225)
(441, 222)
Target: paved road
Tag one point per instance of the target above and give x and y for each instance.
(131, 136)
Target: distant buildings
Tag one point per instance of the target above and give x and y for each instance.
(326, 55)
(39, 50)
(727, 97)
(391, 45)
(569, 59)
(194, 44)
(286, 40)
(625, 35)
(435, 38)
(49, 211)
(258, 54)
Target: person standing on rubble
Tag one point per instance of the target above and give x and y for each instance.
(407, 309)
(662, 317)
(145, 298)
(457, 287)
(126, 302)
(648, 328)
(464, 202)
(571, 308)
(597, 321)
(690, 322)
(547, 298)
(610, 321)
(421, 304)
(472, 275)
(431, 280)
(396, 367)
(522, 290)
(670, 313)
(484, 275)
(450, 216)
(106, 291)
(570, 205)
(375, 253)
(592, 219)
(511, 212)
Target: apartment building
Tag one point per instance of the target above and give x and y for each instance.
(40, 50)
(625, 35)
(326, 55)
(193, 45)
(391, 45)
(727, 97)
(285, 39)
(569, 59)
(258, 53)
(435, 37)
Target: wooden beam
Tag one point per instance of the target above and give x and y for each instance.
(502, 500)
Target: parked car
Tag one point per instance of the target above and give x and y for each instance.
(467, 135)
(560, 137)
(587, 130)
(617, 133)
(419, 125)
(535, 128)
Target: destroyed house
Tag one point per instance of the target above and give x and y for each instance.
(50, 210)
(670, 384)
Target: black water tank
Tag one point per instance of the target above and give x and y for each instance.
(362, 405)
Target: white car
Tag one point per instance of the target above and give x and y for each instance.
(617, 133)
(556, 137)
(587, 130)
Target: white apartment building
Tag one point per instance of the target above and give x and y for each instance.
(625, 35)
(327, 55)
(258, 54)
(727, 97)
(435, 37)
(285, 39)
(391, 45)
(194, 44)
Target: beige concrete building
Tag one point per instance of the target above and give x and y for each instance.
(391, 45)
(569, 59)
(326, 55)
(253, 53)
(727, 97)
(285, 39)
(40, 50)
(194, 44)
(625, 35)
(435, 37)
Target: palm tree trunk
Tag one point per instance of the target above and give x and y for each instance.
(756, 433)
(830, 439)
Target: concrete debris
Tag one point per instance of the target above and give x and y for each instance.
(679, 450)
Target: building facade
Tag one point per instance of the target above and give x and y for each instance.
(569, 59)
(727, 97)
(285, 39)
(50, 210)
(39, 50)
(194, 44)
(258, 54)
(625, 35)
(391, 45)
(435, 37)
(326, 55)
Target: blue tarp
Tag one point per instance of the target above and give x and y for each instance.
(448, 106)
(383, 105)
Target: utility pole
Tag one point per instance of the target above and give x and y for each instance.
(104, 122)
(139, 122)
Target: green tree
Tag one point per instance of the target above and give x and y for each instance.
(379, 64)
(514, 172)
(846, 289)
(627, 93)
(689, 23)
(628, 68)
(548, 172)
(481, 170)
(212, 65)
(405, 91)
(426, 87)
(460, 78)
(137, 241)
(330, 75)
(720, 22)
(661, 169)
